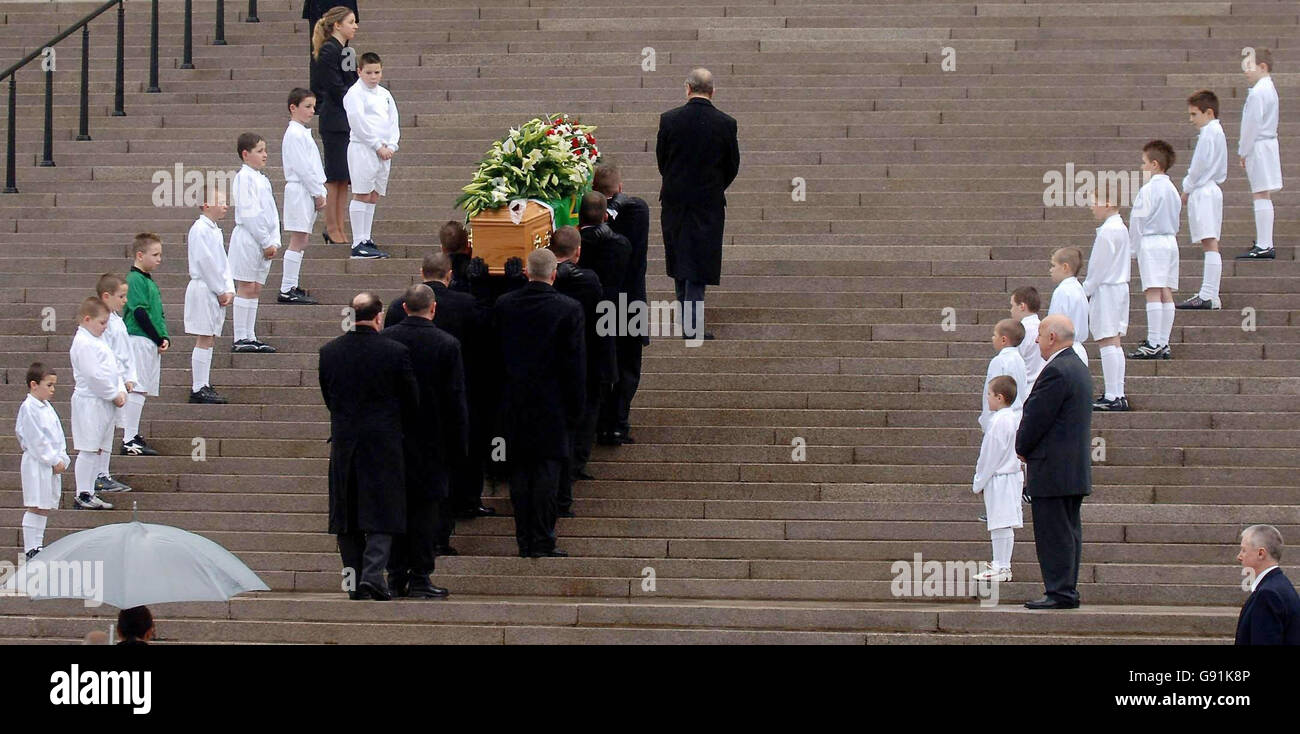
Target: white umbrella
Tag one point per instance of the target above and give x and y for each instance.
(143, 564)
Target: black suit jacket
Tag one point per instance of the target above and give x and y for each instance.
(607, 253)
(441, 437)
(1055, 436)
(1271, 614)
(698, 153)
(631, 218)
(369, 386)
(544, 391)
(584, 286)
(330, 82)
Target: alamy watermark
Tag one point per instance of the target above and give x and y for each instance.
(54, 579)
(1074, 187)
(942, 579)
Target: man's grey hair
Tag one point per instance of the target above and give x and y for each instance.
(1062, 329)
(419, 298)
(541, 264)
(1266, 537)
(700, 81)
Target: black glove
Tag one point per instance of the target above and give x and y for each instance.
(476, 269)
(514, 268)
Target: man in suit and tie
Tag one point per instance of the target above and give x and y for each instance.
(439, 443)
(699, 155)
(1054, 441)
(369, 387)
(541, 340)
(1271, 614)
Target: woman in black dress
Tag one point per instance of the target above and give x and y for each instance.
(333, 72)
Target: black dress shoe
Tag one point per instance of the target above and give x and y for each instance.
(445, 550)
(565, 513)
(624, 438)
(608, 439)
(553, 553)
(367, 590)
(399, 584)
(582, 475)
(477, 512)
(1048, 602)
(525, 553)
(423, 588)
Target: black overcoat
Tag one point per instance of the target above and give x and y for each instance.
(1055, 436)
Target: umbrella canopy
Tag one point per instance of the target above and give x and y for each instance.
(149, 564)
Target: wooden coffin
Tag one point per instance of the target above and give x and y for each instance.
(495, 238)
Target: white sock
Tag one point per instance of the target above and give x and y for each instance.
(1003, 540)
(85, 471)
(104, 458)
(1155, 315)
(1213, 273)
(201, 367)
(245, 317)
(1167, 323)
(1264, 224)
(131, 416)
(292, 267)
(1112, 370)
(33, 531)
(370, 219)
(357, 218)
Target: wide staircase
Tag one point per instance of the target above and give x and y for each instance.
(920, 134)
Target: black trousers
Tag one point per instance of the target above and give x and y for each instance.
(1058, 539)
(690, 294)
(533, 487)
(428, 525)
(617, 405)
(367, 555)
(467, 475)
(583, 436)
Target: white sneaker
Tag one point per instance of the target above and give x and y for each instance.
(992, 574)
(91, 502)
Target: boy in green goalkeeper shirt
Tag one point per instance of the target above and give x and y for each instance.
(147, 328)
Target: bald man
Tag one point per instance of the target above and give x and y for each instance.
(1054, 441)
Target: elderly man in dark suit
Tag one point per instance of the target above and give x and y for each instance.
(438, 444)
(1054, 441)
(541, 339)
(369, 386)
(699, 156)
(1271, 614)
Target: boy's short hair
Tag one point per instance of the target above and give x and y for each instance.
(143, 242)
(453, 237)
(91, 308)
(564, 241)
(109, 283)
(1011, 329)
(1004, 386)
(1027, 296)
(436, 265)
(1204, 99)
(1105, 192)
(1071, 256)
(593, 208)
(134, 623)
(606, 180)
(369, 57)
(37, 373)
(296, 96)
(1160, 152)
(246, 142)
(419, 297)
(1265, 57)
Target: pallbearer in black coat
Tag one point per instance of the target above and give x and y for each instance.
(369, 387)
(583, 286)
(1271, 614)
(1055, 442)
(630, 217)
(438, 444)
(699, 156)
(540, 334)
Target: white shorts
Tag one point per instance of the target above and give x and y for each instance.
(1205, 212)
(1158, 261)
(41, 486)
(246, 261)
(148, 365)
(1083, 353)
(1264, 166)
(204, 314)
(1108, 312)
(93, 423)
(1002, 504)
(299, 208)
(368, 173)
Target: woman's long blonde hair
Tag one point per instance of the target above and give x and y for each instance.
(325, 27)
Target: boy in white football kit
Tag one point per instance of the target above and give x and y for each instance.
(372, 116)
(1007, 334)
(998, 476)
(1107, 289)
(1202, 196)
(112, 289)
(1068, 297)
(211, 289)
(45, 456)
(304, 191)
(1258, 150)
(1025, 303)
(99, 388)
(1153, 235)
(254, 241)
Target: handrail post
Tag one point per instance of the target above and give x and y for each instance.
(47, 151)
(188, 61)
(153, 49)
(83, 133)
(11, 173)
(119, 81)
(219, 38)
(252, 12)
